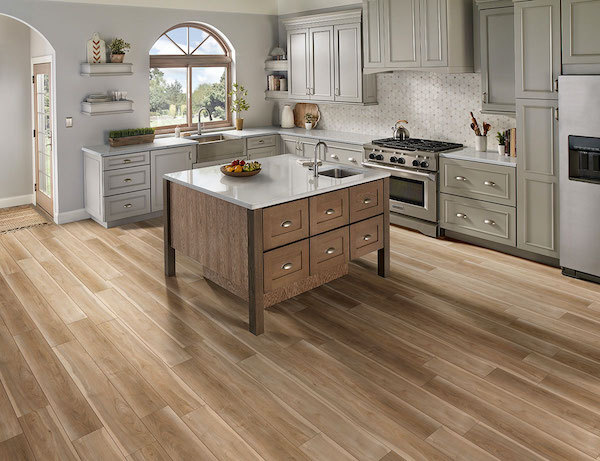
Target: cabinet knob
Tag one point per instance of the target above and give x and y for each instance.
(127, 205)
(127, 160)
(127, 180)
(287, 266)
(286, 224)
(352, 159)
(261, 141)
(334, 156)
(330, 211)
(460, 178)
(489, 221)
(367, 237)
(367, 200)
(330, 251)
(489, 183)
(461, 215)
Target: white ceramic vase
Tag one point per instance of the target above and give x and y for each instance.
(287, 117)
(481, 143)
(308, 125)
(501, 149)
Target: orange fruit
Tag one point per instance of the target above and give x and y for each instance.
(238, 169)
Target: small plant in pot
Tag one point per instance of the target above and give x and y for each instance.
(309, 120)
(239, 104)
(118, 48)
(501, 140)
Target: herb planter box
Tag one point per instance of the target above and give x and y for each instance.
(131, 140)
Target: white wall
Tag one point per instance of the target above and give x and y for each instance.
(68, 26)
(16, 171)
(297, 6)
(229, 6)
(38, 45)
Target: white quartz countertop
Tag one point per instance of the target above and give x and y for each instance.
(105, 150)
(282, 179)
(472, 155)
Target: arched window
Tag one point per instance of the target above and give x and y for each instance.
(190, 69)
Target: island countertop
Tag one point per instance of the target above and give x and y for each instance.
(282, 179)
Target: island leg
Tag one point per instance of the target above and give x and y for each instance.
(383, 255)
(256, 306)
(169, 250)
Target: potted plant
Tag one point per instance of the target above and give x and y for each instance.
(118, 48)
(501, 140)
(309, 120)
(239, 104)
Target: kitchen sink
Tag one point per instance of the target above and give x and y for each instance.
(339, 173)
(205, 139)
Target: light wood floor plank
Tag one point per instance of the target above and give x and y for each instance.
(16, 449)
(9, 424)
(97, 446)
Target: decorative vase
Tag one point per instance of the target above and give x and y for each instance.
(239, 124)
(481, 143)
(287, 117)
(308, 125)
(501, 150)
(117, 58)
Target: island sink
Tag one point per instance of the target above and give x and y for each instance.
(338, 173)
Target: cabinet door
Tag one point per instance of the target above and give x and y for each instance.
(163, 162)
(321, 73)
(348, 63)
(581, 35)
(537, 176)
(401, 33)
(537, 49)
(307, 149)
(298, 61)
(373, 33)
(434, 33)
(289, 146)
(497, 59)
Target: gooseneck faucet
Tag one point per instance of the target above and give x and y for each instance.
(316, 164)
(200, 118)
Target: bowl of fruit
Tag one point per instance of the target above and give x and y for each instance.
(241, 169)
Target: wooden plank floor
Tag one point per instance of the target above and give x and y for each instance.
(464, 353)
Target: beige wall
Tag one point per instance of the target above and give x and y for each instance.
(298, 6)
(228, 6)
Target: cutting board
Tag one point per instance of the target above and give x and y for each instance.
(303, 108)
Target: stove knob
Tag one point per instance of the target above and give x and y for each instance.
(424, 164)
(371, 156)
(401, 161)
(416, 163)
(379, 157)
(393, 159)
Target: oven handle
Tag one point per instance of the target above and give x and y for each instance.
(401, 173)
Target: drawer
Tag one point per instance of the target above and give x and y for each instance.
(329, 250)
(482, 181)
(262, 152)
(488, 221)
(126, 160)
(285, 223)
(126, 180)
(346, 154)
(329, 211)
(366, 236)
(286, 265)
(126, 205)
(366, 200)
(261, 141)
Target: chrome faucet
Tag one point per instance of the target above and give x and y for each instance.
(200, 118)
(316, 164)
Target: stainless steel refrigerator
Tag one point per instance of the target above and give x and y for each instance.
(579, 185)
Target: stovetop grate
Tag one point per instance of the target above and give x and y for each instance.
(414, 144)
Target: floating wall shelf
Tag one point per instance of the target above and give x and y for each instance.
(276, 66)
(108, 69)
(278, 95)
(106, 108)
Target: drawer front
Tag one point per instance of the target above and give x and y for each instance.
(329, 250)
(285, 223)
(261, 141)
(489, 221)
(366, 200)
(329, 211)
(345, 154)
(126, 205)
(286, 265)
(366, 236)
(493, 183)
(126, 160)
(126, 180)
(262, 152)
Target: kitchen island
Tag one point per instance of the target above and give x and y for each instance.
(270, 237)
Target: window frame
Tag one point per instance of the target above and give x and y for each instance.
(190, 61)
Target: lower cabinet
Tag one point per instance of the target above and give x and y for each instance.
(296, 145)
(286, 265)
(126, 205)
(329, 250)
(366, 236)
(167, 161)
(346, 154)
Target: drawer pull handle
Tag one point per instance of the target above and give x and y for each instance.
(127, 180)
(334, 156)
(330, 211)
(330, 251)
(287, 266)
(367, 237)
(352, 159)
(127, 205)
(286, 224)
(261, 141)
(461, 215)
(367, 201)
(461, 178)
(489, 221)
(127, 160)
(489, 183)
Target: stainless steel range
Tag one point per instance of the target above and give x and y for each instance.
(414, 166)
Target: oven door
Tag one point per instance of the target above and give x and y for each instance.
(412, 193)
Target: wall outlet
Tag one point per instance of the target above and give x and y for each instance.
(69, 122)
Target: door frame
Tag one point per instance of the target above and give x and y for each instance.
(47, 59)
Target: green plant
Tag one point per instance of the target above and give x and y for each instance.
(119, 46)
(309, 118)
(238, 95)
(501, 138)
(130, 132)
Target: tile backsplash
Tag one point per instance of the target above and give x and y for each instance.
(436, 106)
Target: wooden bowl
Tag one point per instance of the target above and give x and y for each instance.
(243, 174)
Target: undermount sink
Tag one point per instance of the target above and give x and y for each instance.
(338, 173)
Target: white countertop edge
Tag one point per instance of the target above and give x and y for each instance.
(489, 157)
(160, 143)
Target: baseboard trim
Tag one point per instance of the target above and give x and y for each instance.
(16, 201)
(71, 216)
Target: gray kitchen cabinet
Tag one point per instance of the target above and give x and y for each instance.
(321, 63)
(348, 85)
(434, 33)
(497, 57)
(298, 61)
(537, 176)
(296, 145)
(346, 154)
(401, 34)
(166, 161)
(537, 49)
(373, 38)
(580, 36)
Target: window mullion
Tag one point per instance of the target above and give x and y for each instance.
(189, 99)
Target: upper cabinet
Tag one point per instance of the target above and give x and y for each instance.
(497, 56)
(581, 36)
(537, 49)
(325, 59)
(434, 35)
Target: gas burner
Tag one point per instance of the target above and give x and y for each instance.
(414, 144)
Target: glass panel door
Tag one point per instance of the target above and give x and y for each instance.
(43, 135)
